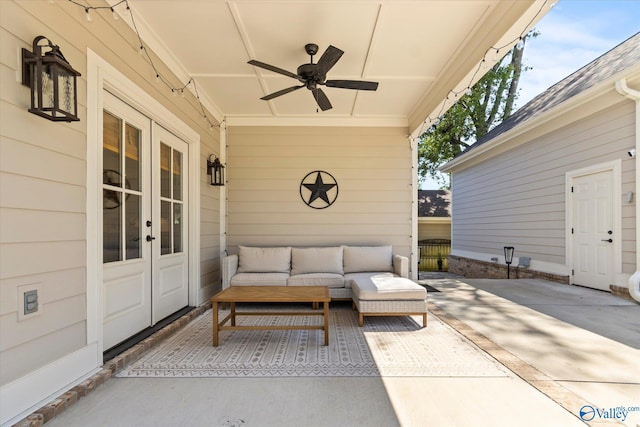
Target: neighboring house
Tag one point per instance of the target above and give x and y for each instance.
(110, 221)
(558, 181)
(434, 229)
(434, 214)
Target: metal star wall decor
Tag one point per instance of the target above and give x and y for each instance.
(319, 189)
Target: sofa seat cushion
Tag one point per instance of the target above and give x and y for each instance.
(386, 288)
(364, 274)
(264, 260)
(259, 279)
(367, 258)
(316, 260)
(330, 280)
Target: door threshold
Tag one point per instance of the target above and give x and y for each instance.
(143, 334)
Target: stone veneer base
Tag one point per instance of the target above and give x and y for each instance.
(109, 369)
(473, 268)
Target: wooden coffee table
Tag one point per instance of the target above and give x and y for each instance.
(284, 294)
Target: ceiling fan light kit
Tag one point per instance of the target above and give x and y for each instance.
(313, 75)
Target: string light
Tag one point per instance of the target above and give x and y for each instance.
(159, 78)
(191, 83)
(519, 41)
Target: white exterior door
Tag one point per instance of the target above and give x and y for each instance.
(170, 227)
(144, 206)
(593, 224)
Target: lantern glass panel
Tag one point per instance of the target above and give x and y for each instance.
(46, 82)
(66, 93)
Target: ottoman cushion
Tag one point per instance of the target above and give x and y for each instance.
(387, 288)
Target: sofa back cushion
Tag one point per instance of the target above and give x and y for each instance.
(316, 260)
(367, 258)
(264, 260)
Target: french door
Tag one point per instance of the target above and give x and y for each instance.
(144, 228)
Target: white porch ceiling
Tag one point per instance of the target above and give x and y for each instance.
(417, 50)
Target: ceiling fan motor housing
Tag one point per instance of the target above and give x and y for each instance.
(309, 72)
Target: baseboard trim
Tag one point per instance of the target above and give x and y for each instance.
(20, 397)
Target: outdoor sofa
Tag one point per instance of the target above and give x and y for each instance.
(372, 276)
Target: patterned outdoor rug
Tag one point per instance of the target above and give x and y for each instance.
(385, 346)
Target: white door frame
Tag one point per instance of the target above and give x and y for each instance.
(100, 76)
(615, 167)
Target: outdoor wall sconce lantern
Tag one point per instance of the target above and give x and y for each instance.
(508, 257)
(54, 92)
(215, 170)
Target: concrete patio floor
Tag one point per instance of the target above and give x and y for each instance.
(566, 346)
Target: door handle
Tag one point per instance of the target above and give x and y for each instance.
(603, 240)
(149, 238)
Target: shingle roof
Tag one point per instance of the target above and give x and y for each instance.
(434, 203)
(621, 57)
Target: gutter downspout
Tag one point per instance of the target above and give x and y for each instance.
(634, 95)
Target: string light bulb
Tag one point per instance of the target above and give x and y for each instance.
(157, 78)
(87, 15)
(520, 44)
(141, 50)
(114, 13)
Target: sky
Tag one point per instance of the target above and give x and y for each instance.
(572, 34)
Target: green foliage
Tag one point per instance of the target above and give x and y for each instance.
(487, 104)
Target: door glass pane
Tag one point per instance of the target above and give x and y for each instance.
(132, 158)
(132, 226)
(177, 175)
(111, 149)
(165, 226)
(177, 227)
(111, 229)
(165, 167)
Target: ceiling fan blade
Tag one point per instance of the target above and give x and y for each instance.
(321, 99)
(281, 92)
(329, 59)
(274, 69)
(352, 84)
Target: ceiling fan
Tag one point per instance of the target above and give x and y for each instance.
(313, 75)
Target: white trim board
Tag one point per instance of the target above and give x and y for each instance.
(101, 76)
(22, 396)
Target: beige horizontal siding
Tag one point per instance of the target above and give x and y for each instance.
(434, 231)
(518, 197)
(18, 361)
(267, 164)
(43, 169)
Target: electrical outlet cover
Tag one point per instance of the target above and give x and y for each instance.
(23, 292)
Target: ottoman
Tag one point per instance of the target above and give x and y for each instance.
(383, 295)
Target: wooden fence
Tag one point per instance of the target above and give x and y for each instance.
(432, 250)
